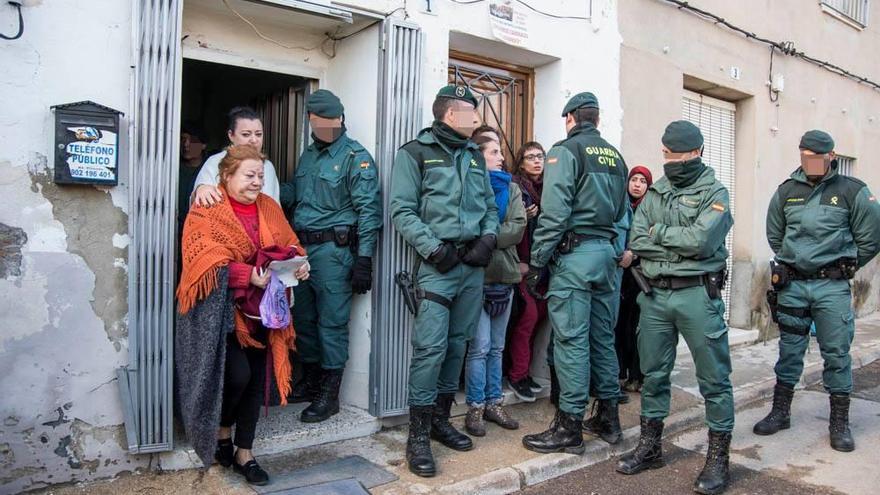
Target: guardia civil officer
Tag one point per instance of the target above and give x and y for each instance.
(678, 232)
(443, 205)
(584, 196)
(822, 227)
(337, 214)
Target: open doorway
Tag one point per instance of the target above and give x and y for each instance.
(209, 90)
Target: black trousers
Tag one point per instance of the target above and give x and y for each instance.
(243, 386)
(625, 342)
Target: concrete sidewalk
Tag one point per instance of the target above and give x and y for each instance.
(499, 463)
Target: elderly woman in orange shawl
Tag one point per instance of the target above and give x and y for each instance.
(225, 358)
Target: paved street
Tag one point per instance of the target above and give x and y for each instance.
(797, 460)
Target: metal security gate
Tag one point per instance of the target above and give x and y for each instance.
(717, 120)
(146, 386)
(398, 121)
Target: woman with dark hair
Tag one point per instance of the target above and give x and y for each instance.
(483, 372)
(528, 169)
(640, 180)
(245, 128)
(220, 341)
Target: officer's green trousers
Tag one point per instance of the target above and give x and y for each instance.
(579, 301)
(322, 306)
(830, 305)
(440, 334)
(700, 320)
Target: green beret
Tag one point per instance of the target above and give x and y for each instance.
(580, 100)
(817, 141)
(325, 104)
(682, 136)
(462, 93)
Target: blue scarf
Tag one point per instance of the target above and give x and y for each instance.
(501, 185)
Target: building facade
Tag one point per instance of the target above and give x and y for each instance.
(753, 104)
(87, 271)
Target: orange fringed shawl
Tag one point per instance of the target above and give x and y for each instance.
(213, 237)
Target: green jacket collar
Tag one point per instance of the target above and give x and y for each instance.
(334, 147)
(584, 128)
(706, 179)
(427, 137)
(800, 176)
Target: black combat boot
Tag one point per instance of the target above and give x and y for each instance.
(564, 435)
(442, 430)
(326, 404)
(554, 387)
(780, 415)
(838, 426)
(648, 454)
(715, 476)
(605, 422)
(306, 389)
(419, 457)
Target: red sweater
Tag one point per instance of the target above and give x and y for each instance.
(240, 273)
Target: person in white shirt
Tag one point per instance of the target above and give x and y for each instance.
(245, 127)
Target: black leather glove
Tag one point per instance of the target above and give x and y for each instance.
(479, 251)
(533, 277)
(444, 258)
(362, 275)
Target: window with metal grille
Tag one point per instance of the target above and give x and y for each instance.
(856, 10)
(846, 165)
(505, 96)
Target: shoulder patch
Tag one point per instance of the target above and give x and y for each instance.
(872, 198)
(552, 160)
(718, 207)
(365, 165)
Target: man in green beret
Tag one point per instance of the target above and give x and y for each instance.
(822, 227)
(337, 214)
(584, 197)
(443, 205)
(678, 233)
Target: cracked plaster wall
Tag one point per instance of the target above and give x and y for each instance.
(63, 282)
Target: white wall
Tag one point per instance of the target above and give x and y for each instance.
(64, 308)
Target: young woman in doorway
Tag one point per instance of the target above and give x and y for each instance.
(245, 128)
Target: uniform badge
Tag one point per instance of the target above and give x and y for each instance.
(872, 198)
(459, 91)
(834, 200)
(718, 207)
(365, 165)
(336, 168)
(474, 163)
(552, 160)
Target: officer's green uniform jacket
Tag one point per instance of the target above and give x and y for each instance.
(439, 195)
(337, 185)
(587, 201)
(689, 228)
(811, 227)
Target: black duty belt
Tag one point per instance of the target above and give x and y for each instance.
(833, 273)
(676, 283)
(342, 236)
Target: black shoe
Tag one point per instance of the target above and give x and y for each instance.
(307, 388)
(605, 421)
(522, 390)
(419, 457)
(442, 430)
(252, 472)
(225, 453)
(327, 402)
(838, 425)
(564, 435)
(648, 454)
(780, 415)
(533, 385)
(554, 387)
(715, 476)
